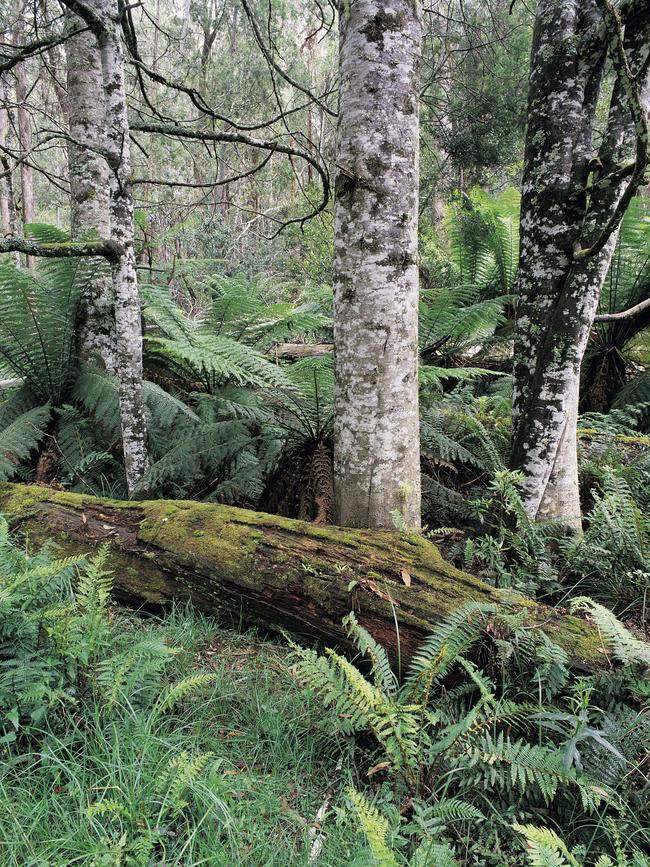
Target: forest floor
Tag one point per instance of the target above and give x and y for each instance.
(236, 777)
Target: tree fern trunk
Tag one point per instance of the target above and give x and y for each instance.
(277, 572)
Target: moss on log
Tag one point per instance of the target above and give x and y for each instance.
(276, 572)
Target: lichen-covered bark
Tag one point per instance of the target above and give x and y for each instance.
(376, 455)
(125, 284)
(7, 199)
(565, 205)
(89, 188)
(25, 142)
(277, 572)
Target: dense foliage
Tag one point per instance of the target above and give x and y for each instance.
(130, 740)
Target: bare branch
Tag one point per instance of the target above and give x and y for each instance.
(240, 138)
(196, 186)
(624, 314)
(37, 47)
(271, 61)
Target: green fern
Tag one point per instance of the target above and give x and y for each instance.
(545, 848)
(374, 826)
(20, 438)
(178, 777)
(626, 648)
(177, 692)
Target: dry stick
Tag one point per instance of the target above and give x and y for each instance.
(318, 839)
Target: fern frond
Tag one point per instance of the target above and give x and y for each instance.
(625, 647)
(453, 636)
(20, 438)
(178, 691)
(382, 672)
(374, 826)
(545, 848)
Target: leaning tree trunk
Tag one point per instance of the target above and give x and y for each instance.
(278, 572)
(377, 450)
(89, 188)
(128, 325)
(568, 234)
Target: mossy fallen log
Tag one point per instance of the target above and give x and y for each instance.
(277, 572)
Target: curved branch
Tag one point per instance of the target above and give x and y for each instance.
(37, 47)
(240, 138)
(271, 61)
(624, 314)
(229, 180)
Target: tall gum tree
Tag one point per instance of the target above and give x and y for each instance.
(572, 201)
(377, 449)
(89, 188)
(104, 20)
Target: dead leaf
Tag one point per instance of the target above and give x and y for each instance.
(406, 578)
(376, 768)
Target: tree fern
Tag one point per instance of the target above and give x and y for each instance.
(19, 438)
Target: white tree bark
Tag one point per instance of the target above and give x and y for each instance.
(7, 200)
(25, 143)
(377, 449)
(125, 283)
(89, 186)
(558, 290)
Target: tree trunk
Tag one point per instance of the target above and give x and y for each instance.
(89, 187)
(7, 199)
(558, 289)
(277, 572)
(125, 282)
(377, 449)
(25, 142)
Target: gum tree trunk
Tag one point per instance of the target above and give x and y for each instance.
(125, 282)
(103, 18)
(569, 196)
(277, 572)
(7, 199)
(89, 186)
(377, 450)
(25, 142)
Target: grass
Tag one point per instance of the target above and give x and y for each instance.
(234, 775)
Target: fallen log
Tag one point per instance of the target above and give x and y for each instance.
(277, 572)
(300, 350)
